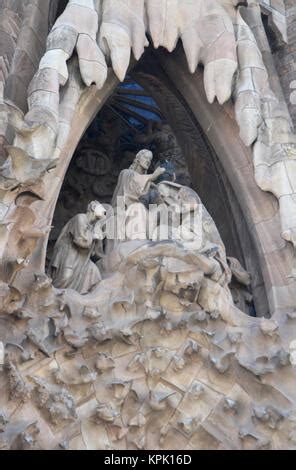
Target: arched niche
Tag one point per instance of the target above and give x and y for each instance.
(255, 212)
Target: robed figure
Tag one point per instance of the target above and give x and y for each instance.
(71, 266)
(133, 184)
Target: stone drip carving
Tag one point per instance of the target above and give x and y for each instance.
(214, 33)
(156, 355)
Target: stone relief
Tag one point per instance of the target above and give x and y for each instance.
(215, 34)
(137, 343)
(71, 266)
(240, 285)
(135, 182)
(153, 341)
(96, 164)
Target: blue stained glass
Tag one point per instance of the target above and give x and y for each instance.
(147, 100)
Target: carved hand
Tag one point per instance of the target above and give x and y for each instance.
(158, 172)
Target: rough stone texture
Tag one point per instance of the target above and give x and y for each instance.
(121, 367)
(286, 59)
(24, 29)
(276, 10)
(155, 357)
(218, 38)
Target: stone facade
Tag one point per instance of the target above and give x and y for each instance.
(148, 344)
(286, 58)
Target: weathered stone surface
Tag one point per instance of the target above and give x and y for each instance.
(157, 355)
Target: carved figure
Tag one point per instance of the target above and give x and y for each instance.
(179, 366)
(192, 226)
(132, 185)
(135, 182)
(71, 265)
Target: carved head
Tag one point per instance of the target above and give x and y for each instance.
(143, 160)
(95, 211)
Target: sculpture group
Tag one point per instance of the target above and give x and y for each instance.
(137, 328)
(136, 336)
(152, 210)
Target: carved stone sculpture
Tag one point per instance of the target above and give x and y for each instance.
(209, 31)
(71, 266)
(135, 182)
(147, 349)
